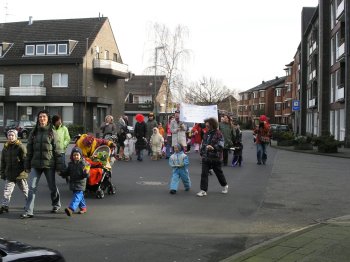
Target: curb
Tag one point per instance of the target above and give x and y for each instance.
(245, 254)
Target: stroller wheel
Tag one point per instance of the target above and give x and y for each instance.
(112, 190)
(100, 194)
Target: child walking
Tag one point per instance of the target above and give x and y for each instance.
(12, 168)
(156, 142)
(237, 153)
(78, 171)
(179, 163)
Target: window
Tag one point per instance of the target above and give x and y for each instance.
(278, 106)
(59, 80)
(1, 80)
(0, 50)
(115, 57)
(31, 80)
(106, 54)
(51, 49)
(67, 114)
(142, 99)
(278, 92)
(262, 93)
(40, 50)
(29, 50)
(62, 49)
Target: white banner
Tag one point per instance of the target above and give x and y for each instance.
(197, 114)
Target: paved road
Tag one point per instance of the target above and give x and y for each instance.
(145, 223)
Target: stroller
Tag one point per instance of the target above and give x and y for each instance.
(100, 179)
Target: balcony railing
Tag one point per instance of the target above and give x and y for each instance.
(28, 91)
(109, 67)
(2, 91)
(138, 107)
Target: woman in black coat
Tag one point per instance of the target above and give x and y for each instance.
(140, 132)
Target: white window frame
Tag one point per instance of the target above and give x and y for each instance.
(31, 79)
(278, 92)
(47, 49)
(1, 51)
(60, 77)
(58, 49)
(37, 47)
(27, 51)
(1, 81)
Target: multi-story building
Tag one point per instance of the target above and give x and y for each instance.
(264, 99)
(71, 67)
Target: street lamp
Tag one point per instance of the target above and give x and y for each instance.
(155, 75)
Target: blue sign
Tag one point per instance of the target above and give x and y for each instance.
(296, 105)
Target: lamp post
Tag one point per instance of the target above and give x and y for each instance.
(155, 80)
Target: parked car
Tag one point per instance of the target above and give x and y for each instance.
(23, 127)
(16, 251)
(276, 129)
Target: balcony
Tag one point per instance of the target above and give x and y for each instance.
(138, 107)
(2, 91)
(339, 94)
(110, 68)
(28, 91)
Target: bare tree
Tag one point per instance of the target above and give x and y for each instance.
(206, 92)
(169, 57)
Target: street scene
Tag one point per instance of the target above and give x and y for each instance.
(143, 222)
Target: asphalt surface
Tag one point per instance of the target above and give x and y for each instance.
(143, 222)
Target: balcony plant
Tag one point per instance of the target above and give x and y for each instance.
(303, 143)
(285, 139)
(326, 143)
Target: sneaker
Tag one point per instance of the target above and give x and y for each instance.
(173, 192)
(224, 189)
(68, 211)
(201, 193)
(26, 215)
(55, 210)
(82, 211)
(4, 209)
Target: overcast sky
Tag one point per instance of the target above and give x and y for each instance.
(240, 43)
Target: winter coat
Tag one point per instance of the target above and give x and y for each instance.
(78, 171)
(228, 133)
(43, 150)
(12, 160)
(62, 136)
(197, 134)
(140, 134)
(108, 128)
(178, 130)
(263, 130)
(179, 163)
(156, 141)
(216, 140)
(150, 125)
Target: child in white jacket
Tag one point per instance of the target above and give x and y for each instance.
(156, 143)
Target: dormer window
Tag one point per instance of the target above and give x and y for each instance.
(57, 48)
(51, 49)
(40, 49)
(62, 49)
(4, 47)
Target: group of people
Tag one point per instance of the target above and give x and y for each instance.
(44, 154)
(47, 144)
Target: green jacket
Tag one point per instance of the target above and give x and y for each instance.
(12, 160)
(228, 133)
(43, 149)
(63, 137)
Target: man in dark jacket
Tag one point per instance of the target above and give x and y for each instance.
(78, 171)
(151, 123)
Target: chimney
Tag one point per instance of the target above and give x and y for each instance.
(30, 22)
(276, 77)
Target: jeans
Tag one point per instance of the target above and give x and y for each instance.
(78, 200)
(261, 153)
(216, 166)
(140, 154)
(34, 178)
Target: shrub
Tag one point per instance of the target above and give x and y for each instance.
(75, 130)
(286, 136)
(326, 143)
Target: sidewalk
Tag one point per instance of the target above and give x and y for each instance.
(327, 241)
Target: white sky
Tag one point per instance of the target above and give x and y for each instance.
(239, 43)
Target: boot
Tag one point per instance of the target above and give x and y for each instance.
(4, 209)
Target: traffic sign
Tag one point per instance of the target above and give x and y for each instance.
(296, 105)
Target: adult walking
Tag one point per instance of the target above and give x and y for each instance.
(43, 157)
(168, 139)
(140, 131)
(151, 123)
(108, 127)
(211, 151)
(178, 130)
(63, 137)
(262, 139)
(226, 128)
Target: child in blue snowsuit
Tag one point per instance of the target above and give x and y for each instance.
(179, 163)
(78, 171)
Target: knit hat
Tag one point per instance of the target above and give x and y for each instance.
(76, 150)
(13, 131)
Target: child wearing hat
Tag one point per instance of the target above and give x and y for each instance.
(179, 163)
(78, 171)
(12, 168)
